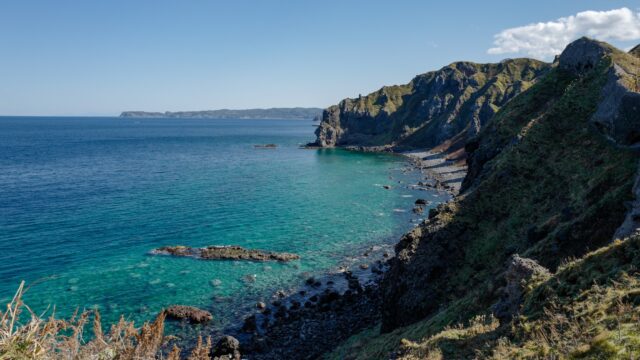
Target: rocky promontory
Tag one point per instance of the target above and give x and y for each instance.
(440, 108)
(231, 252)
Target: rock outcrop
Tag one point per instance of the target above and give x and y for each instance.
(443, 107)
(224, 253)
(519, 273)
(193, 314)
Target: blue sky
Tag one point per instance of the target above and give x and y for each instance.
(101, 57)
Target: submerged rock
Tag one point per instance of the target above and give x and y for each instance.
(265, 146)
(224, 253)
(190, 313)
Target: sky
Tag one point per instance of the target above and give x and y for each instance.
(98, 58)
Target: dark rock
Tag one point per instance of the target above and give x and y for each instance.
(329, 297)
(314, 298)
(354, 284)
(190, 313)
(388, 187)
(519, 272)
(250, 324)
(229, 346)
(309, 304)
(421, 202)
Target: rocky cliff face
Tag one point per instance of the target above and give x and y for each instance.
(444, 107)
(549, 178)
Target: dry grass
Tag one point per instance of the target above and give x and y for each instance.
(435, 347)
(51, 338)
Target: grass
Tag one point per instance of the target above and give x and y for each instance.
(551, 188)
(589, 309)
(50, 338)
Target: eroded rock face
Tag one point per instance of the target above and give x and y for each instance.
(224, 253)
(618, 114)
(448, 105)
(583, 55)
(520, 271)
(191, 313)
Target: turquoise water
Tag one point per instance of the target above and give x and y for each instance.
(83, 201)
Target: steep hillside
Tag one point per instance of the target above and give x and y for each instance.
(443, 107)
(551, 178)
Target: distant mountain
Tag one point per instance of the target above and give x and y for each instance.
(272, 113)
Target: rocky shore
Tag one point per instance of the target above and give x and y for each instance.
(311, 320)
(442, 172)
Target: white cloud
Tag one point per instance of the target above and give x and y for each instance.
(546, 39)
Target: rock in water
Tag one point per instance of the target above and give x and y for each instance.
(224, 253)
(190, 313)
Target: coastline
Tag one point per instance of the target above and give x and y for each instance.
(446, 173)
(440, 171)
(346, 301)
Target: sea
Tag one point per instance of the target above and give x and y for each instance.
(83, 201)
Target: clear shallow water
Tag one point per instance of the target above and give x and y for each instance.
(83, 201)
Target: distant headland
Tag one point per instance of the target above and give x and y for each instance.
(272, 113)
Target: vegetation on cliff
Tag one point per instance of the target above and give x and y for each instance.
(549, 182)
(444, 107)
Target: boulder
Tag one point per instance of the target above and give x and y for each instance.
(250, 324)
(227, 346)
(520, 272)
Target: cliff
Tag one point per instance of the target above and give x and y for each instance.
(553, 178)
(273, 113)
(444, 107)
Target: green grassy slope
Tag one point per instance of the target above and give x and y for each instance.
(544, 183)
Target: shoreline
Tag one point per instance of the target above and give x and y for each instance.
(446, 173)
(345, 301)
(439, 171)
